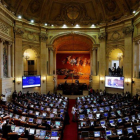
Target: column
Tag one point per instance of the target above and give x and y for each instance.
(9, 59)
(38, 65)
(18, 58)
(1, 58)
(136, 59)
(43, 60)
(51, 60)
(128, 59)
(94, 61)
(102, 61)
(12, 57)
(107, 65)
(47, 59)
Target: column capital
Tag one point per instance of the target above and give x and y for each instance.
(128, 30)
(51, 49)
(18, 31)
(94, 48)
(102, 36)
(2, 40)
(10, 43)
(137, 43)
(43, 37)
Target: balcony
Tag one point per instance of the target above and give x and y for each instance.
(26, 73)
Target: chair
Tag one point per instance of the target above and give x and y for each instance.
(22, 138)
(12, 136)
(41, 127)
(17, 122)
(32, 125)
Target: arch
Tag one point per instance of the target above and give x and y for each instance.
(70, 33)
(111, 48)
(34, 48)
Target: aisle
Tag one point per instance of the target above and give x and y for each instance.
(70, 131)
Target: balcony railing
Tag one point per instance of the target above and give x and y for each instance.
(26, 73)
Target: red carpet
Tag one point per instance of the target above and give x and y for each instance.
(70, 131)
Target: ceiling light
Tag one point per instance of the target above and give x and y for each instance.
(92, 25)
(64, 26)
(134, 12)
(52, 25)
(45, 24)
(19, 16)
(32, 21)
(77, 25)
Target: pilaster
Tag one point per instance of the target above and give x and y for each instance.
(18, 57)
(102, 59)
(1, 57)
(9, 59)
(43, 58)
(128, 59)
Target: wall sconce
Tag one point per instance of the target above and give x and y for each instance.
(127, 81)
(102, 79)
(120, 56)
(18, 81)
(26, 55)
(43, 79)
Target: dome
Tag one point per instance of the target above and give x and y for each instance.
(71, 12)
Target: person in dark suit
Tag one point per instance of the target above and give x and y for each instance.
(6, 128)
(48, 127)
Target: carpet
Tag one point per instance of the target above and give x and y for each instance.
(70, 131)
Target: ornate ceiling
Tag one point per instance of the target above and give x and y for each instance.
(70, 12)
(73, 43)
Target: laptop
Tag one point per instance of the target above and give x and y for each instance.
(129, 130)
(49, 122)
(112, 123)
(13, 128)
(54, 134)
(39, 121)
(57, 123)
(21, 130)
(31, 120)
(119, 132)
(32, 131)
(108, 133)
(102, 123)
(97, 134)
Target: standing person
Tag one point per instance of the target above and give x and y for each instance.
(73, 113)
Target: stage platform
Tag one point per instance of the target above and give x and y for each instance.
(73, 88)
(85, 93)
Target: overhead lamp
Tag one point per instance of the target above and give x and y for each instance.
(52, 25)
(45, 24)
(134, 12)
(77, 25)
(32, 21)
(20, 17)
(64, 26)
(92, 25)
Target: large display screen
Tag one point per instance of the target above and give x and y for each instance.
(31, 81)
(114, 82)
